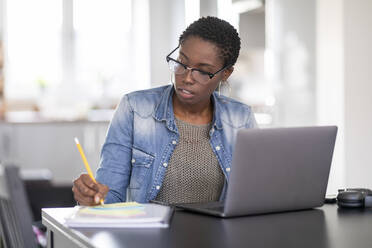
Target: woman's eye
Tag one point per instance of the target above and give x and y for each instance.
(203, 73)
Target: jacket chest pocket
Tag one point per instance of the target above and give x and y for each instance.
(141, 167)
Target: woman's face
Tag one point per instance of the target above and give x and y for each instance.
(199, 54)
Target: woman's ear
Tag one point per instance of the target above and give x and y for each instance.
(227, 73)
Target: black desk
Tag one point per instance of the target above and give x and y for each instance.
(324, 227)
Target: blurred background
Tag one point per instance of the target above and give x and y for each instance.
(65, 64)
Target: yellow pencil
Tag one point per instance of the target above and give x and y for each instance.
(87, 167)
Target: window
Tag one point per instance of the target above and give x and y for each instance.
(103, 45)
(91, 48)
(33, 46)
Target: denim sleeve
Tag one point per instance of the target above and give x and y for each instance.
(115, 167)
(251, 120)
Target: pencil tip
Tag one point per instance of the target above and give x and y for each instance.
(76, 140)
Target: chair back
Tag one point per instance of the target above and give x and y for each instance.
(15, 215)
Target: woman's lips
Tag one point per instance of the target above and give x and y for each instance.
(185, 93)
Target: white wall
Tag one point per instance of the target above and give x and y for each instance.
(330, 81)
(167, 21)
(2, 5)
(358, 92)
(344, 94)
(306, 42)
(344, 87)
(252, 30)
(208, 7)
(290, 41)
(141, 41)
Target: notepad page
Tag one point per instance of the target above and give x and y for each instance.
(128, 214)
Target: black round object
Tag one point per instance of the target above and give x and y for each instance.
(350, 199)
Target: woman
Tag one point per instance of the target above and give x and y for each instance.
(174, 143)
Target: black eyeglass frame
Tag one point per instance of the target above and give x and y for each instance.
(211, 75)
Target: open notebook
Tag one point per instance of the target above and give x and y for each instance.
(125, 214)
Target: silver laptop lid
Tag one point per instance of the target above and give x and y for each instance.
(279, 169)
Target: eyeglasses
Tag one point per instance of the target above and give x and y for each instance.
(179, 68)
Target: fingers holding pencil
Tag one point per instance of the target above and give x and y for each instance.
(83, 192)
(102, 192)
(87, 192)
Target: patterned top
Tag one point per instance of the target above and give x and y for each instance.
(193, 173)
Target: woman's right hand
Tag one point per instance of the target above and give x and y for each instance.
(87, 192)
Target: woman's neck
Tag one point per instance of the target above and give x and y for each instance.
(200, 114)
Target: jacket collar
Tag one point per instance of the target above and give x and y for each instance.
(164, 109)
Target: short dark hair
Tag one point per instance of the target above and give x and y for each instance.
(219, 32)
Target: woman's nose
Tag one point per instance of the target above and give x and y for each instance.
(188, 76)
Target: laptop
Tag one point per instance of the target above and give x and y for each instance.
(275, 170)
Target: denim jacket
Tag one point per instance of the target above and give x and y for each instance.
(142, 136)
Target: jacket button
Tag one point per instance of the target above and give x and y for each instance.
(174, 142)
(165, 164)
(218, 148)
(228, 169)
(157, 187)
(133, 161)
